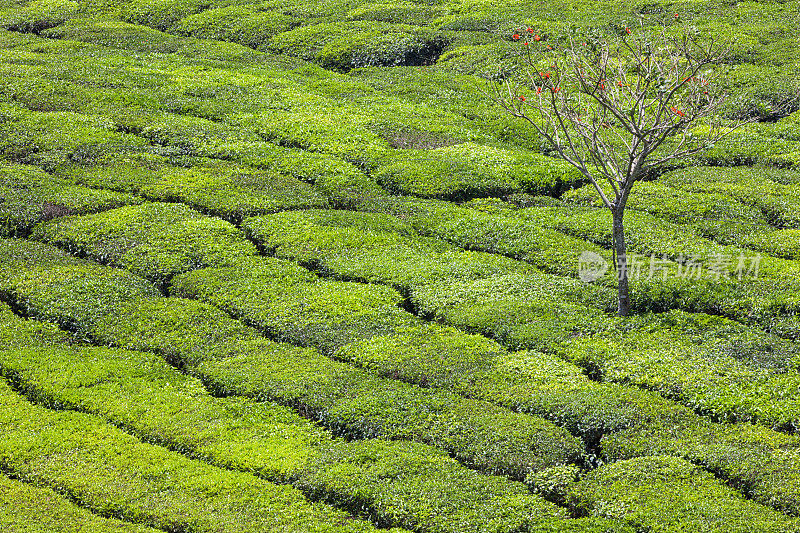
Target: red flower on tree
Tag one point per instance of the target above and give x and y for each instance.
(628, 31)
(522, 98)
(537, 38)
(515, 36)
(677, 111)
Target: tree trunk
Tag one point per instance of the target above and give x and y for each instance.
(624, 307)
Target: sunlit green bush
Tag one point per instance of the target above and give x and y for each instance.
(672, 495)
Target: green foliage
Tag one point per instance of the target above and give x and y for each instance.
(759, 92)
(39, 15)
(534, 311)
(747, 146)
(671, 494)
(118, 34)
(113, 473)
(369, 255)
(102, 109)
(141, 392)
(156, 240)
(363, 325)
(530, 382)
(491, 226)
(433, 487)
(45, 282)
(53, 138)
(25, 508)
(229, 191)
(760, 462)
(780, 243)
(468, 170)
(712, 365)
(20, 333)
(402, 11)
(235, 359)
(240, 24)
(766, 297)
(392, 483)
(160, 14)
(350, 44)
(274, 297)
(774, 192)
(30, 196)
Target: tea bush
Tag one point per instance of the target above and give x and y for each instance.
(758, 461)
(275, 443)
(348, 44)
(229, 191)
(713, 365)
(155, 240)
(111, 472)
(469, 170)
(324, 314)
(370, 255)
(31, 196)
(32, 509)
(233, 358)
(123, 35)
(672, 494)
(240, 24)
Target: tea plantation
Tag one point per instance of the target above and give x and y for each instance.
(278, 265)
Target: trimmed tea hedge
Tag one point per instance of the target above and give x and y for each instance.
(521, 311)
(712, 215)
(293, 305)
(711, 364)
(155, 240)
(30, 196)
(442, 280)
(432, 355)
(340, 243)
(229, 191)
(33, 17)
(362, 324)
(142, 393)
(471, 170)
(767, 295)
(348, 44)
(19, 333)
(123, 35)
(241, 24)
(775, 192)
(51, 139)
(525, 381)
(25, 508)
(762, 463)
(669, 494)
(233, 358)
(111, 472)
(481, 225)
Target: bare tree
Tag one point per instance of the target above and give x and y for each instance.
(617, 108)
